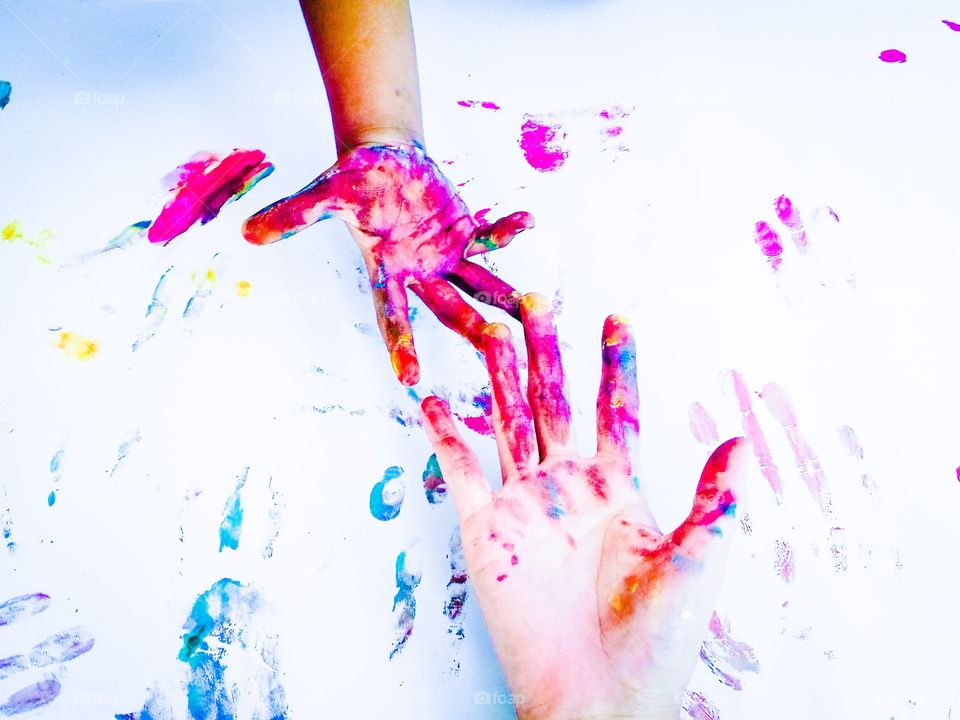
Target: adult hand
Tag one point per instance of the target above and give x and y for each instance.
(593, 611)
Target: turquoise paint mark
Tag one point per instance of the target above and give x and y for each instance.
(5, 90)
(51, 498)
(434, 485)
(407, 581)
(232, 521)
(386, 497)
(56, 461)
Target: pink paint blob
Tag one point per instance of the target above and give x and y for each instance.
(893, 56)
(751, 429)
(481, 424)
(779, 405)
(702, 425)
(769, 243)
(791, 218)
(485, 104)
(540, 142)
(952, 25)
(202, 186)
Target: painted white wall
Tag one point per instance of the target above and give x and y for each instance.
(734, 104)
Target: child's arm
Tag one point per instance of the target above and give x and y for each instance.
(369, 63)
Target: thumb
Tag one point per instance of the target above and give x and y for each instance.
(319, 200)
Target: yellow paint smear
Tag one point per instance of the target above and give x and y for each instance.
(77, 347)
(243, 288)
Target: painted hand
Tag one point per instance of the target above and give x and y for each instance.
(414, 231)
(593, 611)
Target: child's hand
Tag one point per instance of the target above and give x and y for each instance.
(593, 611)
(414, 231)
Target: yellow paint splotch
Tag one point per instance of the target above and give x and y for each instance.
(75, 346)
(243, 288)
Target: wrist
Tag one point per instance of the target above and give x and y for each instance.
(393, 136)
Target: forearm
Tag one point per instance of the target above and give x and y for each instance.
(367, 56)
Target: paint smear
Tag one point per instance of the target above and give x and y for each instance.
(540, 142)
(387, 495)
(22, 606)
(232, 521)
(124, 239)
(203, 185)
(838, 550)
(702, 425)
(893, 56)
(456, 590)
(243, 288)
(59, 648)
(697, 707)
(76, 346)
(481, 424)
(434, 485)
(156, 311)
(751, 428)
(6, 526)
(32, 697)
(404, 603)
(952, 25)
(485, 104)
(726, 656)
(225, 628)
(6, 88)
(769, 243)
(783, 561)
(778, 404)
(850, 441)
(13, 233)
(124, 449)
(205, 283)
(791, 218)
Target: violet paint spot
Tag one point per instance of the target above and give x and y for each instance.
(22, 606)
(751, 428)
(778, 403)
(434, 485)
(726, 656)
(203, 185)
(769, 243)
(893, 56)
(32, 697)
(838, 550)
(387, 495)
(783, 561)
(952, 25)
(702, 425)
(850, 440)
(791, 218)
(697, 707)
(540, 142)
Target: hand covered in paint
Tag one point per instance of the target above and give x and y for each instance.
(414, 231)
(594, 611)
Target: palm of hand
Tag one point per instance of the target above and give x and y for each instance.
(592, 610)
(414, 231)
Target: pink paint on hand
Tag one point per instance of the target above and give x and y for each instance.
(202, 186)
(702, 425)
(769, 243)
(751, 429)
(783, 561)
(778, 404)
(893, 56)
(791, 218)
(481, 424)
(540, 144)
(952, 25)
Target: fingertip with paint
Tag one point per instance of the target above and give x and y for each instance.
(534, 304)
(403, 357)
(496, 331)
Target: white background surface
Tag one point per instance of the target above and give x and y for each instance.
(734, 104)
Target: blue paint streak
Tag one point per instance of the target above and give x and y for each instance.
(59, 648)
(386, 497)
(51, 498)
(12, 609)
(5, 89)
(55, 461)
(407, 582)
(32, 697)
(232, 521)
(434, 485)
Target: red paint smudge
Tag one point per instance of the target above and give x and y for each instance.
(952, 25)
(769, 243)
(778, 404)
(791, 218)
(501, 578)
(893, 56)
(783, 561)
(751, 429)
(702, 425)
(540, 144)
(202, 186)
